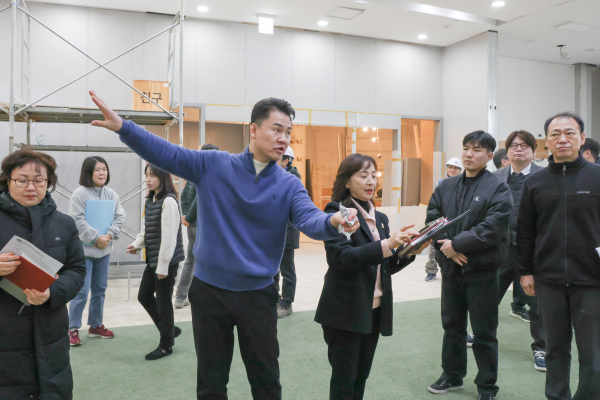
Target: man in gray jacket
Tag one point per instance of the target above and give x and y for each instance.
(520, 147)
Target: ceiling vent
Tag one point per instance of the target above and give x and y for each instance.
(345, 12)
(576, 27)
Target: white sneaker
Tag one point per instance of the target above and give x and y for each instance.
(181, 304)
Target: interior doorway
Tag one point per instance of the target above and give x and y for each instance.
(418, 147)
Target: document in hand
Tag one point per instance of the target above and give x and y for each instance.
(100, 215)
(433, 231)
(37, 269)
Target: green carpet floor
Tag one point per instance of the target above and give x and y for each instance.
(405, 364)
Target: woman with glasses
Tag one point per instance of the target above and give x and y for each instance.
(97, 246)
(34, 350)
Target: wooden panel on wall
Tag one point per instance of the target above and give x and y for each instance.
(156, 90)
(298, 144)
(325, 147)
(427, 142)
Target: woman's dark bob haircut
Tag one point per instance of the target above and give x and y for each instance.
(166, 182)
(87, 171)
(349, 166)
(25, 156)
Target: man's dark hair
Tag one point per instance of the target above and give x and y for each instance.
(209, 146)
(591, 145)
(166, 182)
(481, 139)
(499, 155)
(565, 114)
(262, 110)
(524, 136)
(86, 178)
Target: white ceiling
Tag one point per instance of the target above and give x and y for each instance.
(526, 28)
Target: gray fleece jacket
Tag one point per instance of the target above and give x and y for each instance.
(87, 234)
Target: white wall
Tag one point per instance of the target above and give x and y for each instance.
(465, 91)
(225, 63)
(529, 92)
(229, 63)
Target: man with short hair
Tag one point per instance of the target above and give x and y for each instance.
(287, 269)
(590, 150)
(189, 209)
(558, 248)
(520, 148)
(469, 255)
(246, 203)
(453, 167)
(501, 159)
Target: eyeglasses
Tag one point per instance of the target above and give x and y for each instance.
(523, 146)
(23, 183)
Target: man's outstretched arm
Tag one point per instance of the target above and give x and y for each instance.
(182, 162)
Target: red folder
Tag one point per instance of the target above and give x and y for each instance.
(29, 276)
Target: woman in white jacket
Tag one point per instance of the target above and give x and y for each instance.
(161, 236)
(94, 177)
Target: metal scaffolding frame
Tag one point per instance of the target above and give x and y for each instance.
(26, 110)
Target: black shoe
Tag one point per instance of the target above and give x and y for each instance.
(177, 332)
(443, 386)
(486, 397)
(520, 313)
(158, 354)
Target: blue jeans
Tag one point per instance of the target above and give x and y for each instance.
(96, 279)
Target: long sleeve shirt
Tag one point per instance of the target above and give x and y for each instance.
(169, 223)
(244, 214)
(87, 234)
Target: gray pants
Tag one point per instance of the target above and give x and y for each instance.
(187, 273)
(431, 267)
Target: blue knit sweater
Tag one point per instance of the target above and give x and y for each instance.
(242, 218)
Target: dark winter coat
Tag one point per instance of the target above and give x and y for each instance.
(558, 226)
(292, 237)
(483, 234)
(189, 203)
(347, 299)
(34, 346)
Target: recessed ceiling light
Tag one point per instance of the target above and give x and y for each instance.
(203, 9)
(498, 4)
(266, 23)
(323, 23)
(422, 37)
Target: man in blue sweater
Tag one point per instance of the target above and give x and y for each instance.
(246, 203)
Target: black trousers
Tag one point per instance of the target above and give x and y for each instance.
(473, 294)
(155, 296)
(215, 312)
(563, 307)
(350, 356)
(507, 274)
(287, 270)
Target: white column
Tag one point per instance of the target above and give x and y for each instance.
(354, 140)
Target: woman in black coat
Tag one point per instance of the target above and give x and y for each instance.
(356, 303)
(34, 346)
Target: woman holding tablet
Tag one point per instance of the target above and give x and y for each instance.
(356, 302)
